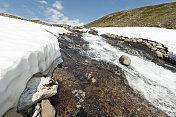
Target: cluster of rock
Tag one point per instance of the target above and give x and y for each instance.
(44, 109)
(159, 49)
(92, 31)
(38, 89)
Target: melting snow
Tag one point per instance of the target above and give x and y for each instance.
(161, 35)
(26, 48)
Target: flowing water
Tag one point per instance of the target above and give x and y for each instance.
(156, 84)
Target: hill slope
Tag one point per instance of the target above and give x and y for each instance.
(163, 15)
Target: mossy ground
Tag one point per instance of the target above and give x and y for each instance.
(163, 15)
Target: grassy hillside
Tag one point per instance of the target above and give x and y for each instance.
(163, 15)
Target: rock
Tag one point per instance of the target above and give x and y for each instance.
(37, 89)
(111, 35)
(125, 60)
(37, 111)
(159, 44)
(47, 109)
(134, 40)
(163, 51)
(94, 32)
(149, 45)
(153, 49)
(159, 54)
(121, 42)
(153, 43)
(160, 47)
(12, 113)
(139, 40)
(166, 55)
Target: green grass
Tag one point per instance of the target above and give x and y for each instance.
(163, 15)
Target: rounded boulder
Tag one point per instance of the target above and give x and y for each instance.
(125, 60)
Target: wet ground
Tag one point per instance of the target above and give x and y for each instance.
(90, 88)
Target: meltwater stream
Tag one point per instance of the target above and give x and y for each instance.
(158, 85)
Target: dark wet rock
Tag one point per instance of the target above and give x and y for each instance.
(125, 60)
(92, 31)
(90, 88)
(47, 109)
(37, 89)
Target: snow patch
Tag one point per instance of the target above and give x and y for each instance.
(26, 48)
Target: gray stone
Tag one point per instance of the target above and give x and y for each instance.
(37, 89)
(12, 113)
(92, 31)
(125, 60)
(121, 42)
(159, 54)
(139, 40)
(134, 40)
(153, 43)
(160, 47)
(111, 35)
(47, 109)
(163, 51)
(149, 45)
(166, 55)
(154, 49)
(159, 44)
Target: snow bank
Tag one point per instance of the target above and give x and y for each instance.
(25, 49)
(161, 35)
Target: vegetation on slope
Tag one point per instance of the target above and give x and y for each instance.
(163, 15)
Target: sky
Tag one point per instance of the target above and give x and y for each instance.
(73, 12)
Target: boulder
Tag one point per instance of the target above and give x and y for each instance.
(47, 109)
(159, 54)
(12, 113)
(125, 60)
(94, 32)
(37, 89)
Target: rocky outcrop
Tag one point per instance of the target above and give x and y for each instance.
(159, 49)
(125, 60)
(92, 31)
(37, 89)
(47, 109)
